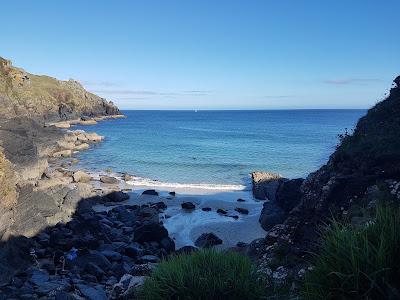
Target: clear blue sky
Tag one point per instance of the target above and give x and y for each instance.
(211, 54)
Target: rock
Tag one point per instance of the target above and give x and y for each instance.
(63, 153)
(121, 286)
(221, 211)
(207, 240)
(92, 293)
(112, 255)
(148, 259)
(150, 192)
(188, 205)
(87, 122)
(265, 185)
(109, 180)
(159, 205)
(243, 211)
(168, 244)
(127, 177)
(39, 277)
(14, 258)
(62, 125)
(271, 215)
(289, 194)
(94, 270)
(206, 209)
(80, 176)
(134, 250)
(142, 269)
(186, 250)
(81, 147)
(150, 232)
(117, 196)
(173, 194)
(240, 200)
(134, 284)
(96, 258)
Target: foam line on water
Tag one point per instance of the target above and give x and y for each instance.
(206, 186)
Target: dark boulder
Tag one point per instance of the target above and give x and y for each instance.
(14, 257)
(150, 192)
(117, 196)
(150, 232)
(172, 194)
(186, 250)
(159, 205)
(271, 215)
(94, 270)
(207, 240)
(240, 200)
(168, 244)
(289, 194)
(221, 211)
(188, 205)
(206, 209)
(241, 210)
(134, 250)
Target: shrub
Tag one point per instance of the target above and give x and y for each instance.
(205, 274)
(358, 263)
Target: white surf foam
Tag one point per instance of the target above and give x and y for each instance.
(140, 181)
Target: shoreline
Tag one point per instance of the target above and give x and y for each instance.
(184, 227)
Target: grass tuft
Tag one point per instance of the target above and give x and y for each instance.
(358, 263)
(205, 274)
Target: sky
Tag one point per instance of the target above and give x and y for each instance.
(211, 54)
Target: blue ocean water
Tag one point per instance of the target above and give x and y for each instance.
(217, 147)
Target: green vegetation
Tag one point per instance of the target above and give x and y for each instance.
(358, 263)
(374, 145)
(206, 274)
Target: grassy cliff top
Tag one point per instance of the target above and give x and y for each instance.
(22, 93)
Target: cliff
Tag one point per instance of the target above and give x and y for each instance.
(365, 166)
(44, 97)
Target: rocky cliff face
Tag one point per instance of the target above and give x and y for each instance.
(365, 159)
(43, 97)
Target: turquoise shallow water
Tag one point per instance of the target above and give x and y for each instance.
(217, 147)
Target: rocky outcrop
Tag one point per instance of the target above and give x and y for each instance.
(285, 196)
(95, 255)
(43, 97)
(32, 197)
(265, 185)
(207, 240)
(370, 155)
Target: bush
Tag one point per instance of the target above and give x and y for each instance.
(205, 274)
(361, 263)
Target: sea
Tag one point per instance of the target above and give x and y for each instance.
(216, 149)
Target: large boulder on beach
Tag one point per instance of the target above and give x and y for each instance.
(80, 176)
(188, 205)
(207, 240)
(150, 192)
(265, 185)
(150, 232)
(109, 180)
(117, 196)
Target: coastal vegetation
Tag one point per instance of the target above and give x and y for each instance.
(205, 274)
(355, 262)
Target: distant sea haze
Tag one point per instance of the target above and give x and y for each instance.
(217, 147)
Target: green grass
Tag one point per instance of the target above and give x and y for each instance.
(206, 274)
(358, 263)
